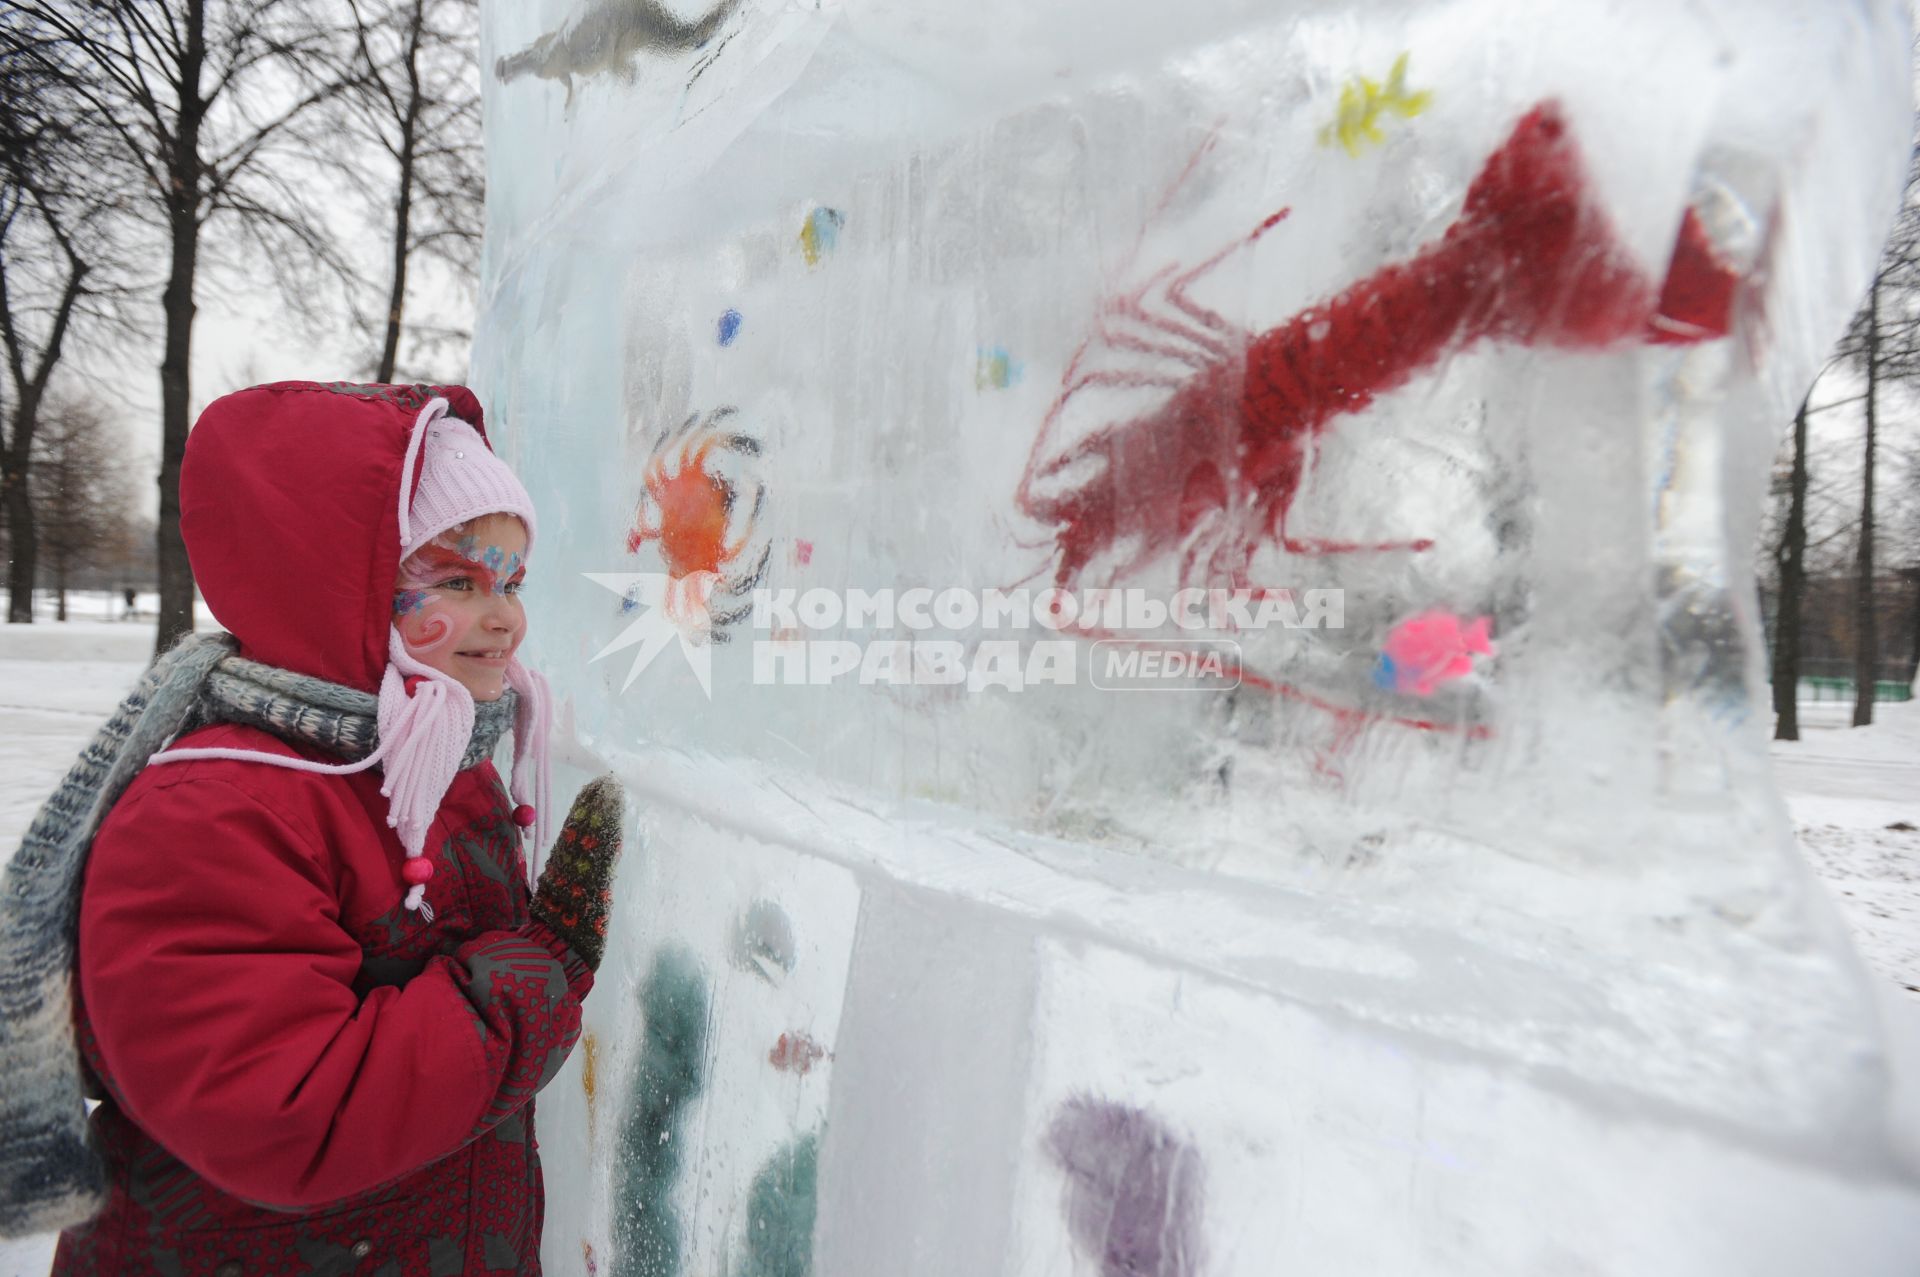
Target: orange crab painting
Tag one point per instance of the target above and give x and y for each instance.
(700, 502)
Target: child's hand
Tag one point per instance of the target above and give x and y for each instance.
(576, 887)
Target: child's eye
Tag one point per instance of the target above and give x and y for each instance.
(514, 587)
(457, 583)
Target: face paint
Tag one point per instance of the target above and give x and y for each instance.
(490, 568)
(456, 602)
(407, 602)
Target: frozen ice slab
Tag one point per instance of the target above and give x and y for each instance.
(1173, 583)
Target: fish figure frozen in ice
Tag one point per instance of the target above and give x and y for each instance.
(1435, 647)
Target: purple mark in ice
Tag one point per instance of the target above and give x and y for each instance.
(1133, 1189)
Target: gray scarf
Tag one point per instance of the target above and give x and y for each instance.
(50, 1177)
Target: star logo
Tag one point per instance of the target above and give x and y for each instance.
(671, 609)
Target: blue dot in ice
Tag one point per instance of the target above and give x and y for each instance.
(820, 233)
(1385, 674)
(995, 369)
(729, 327)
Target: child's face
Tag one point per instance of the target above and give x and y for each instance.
(456, 602)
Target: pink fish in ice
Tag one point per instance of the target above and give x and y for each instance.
(1432, 648)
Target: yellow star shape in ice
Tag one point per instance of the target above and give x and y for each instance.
(1364, 101)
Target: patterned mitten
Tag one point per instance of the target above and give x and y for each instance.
(576, 887)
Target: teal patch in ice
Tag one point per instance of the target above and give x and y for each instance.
(780, 1212)
(670, 1072)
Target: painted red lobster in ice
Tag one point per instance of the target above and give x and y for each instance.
(1213, 470)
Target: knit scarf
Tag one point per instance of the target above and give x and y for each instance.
(50, 1176)
(311, 711)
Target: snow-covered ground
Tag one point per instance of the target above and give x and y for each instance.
(1855, 797)
(96, 605)
(1854, 793)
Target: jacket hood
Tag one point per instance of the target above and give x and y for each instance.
(289, 505)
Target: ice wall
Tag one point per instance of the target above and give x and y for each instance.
(1406, 894)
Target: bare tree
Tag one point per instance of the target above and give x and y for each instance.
(1883, 342)
(416, 103)
(84, 493)
(203, 99)
(62, 263)
(30, 366)
(1810, 536)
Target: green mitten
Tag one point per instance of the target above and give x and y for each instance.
(576, 886)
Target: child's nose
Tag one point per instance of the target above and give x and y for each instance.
(501, 614)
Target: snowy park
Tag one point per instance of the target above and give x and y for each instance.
(883, 639)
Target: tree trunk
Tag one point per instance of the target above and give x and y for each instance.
(1793, 583)
(60, 587)
(1913, 657)
(22, 549)
(1866, 652)
(183, 226)
(403, 201)
(176, 572)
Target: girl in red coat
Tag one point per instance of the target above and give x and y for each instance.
(315, 992)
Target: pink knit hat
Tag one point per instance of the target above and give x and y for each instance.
(460, 479)
(425, 728)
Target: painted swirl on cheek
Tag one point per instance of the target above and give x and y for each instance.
(427, 627)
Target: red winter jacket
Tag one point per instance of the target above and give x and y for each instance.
(300, 1075)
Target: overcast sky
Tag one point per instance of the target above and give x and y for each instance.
(239, 339)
